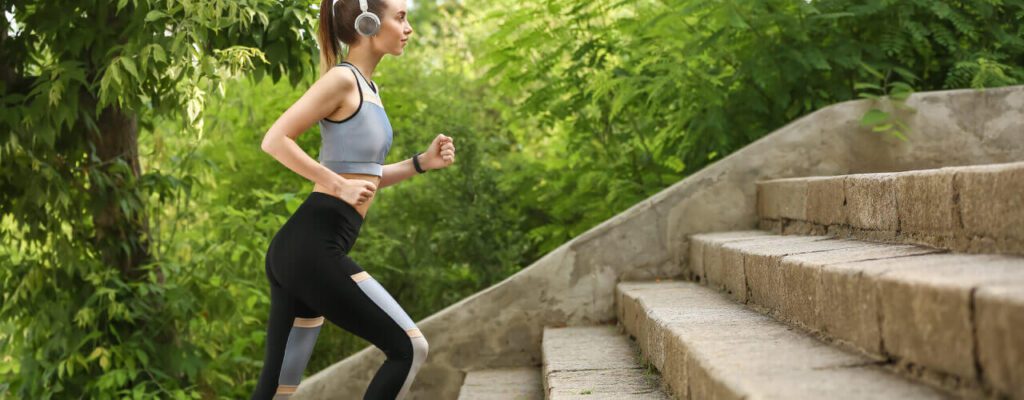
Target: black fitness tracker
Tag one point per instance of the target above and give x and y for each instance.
(416, 163)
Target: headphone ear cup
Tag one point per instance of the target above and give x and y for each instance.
(367, 24)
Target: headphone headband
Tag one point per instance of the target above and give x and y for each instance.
(362, 5)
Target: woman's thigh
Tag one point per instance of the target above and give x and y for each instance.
(345, 295)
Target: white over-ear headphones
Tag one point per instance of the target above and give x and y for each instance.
(367, 23)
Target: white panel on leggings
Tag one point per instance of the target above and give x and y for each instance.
(379, 295)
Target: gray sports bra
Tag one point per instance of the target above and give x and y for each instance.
(359, 143)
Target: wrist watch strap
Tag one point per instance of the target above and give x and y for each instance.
(416, 163)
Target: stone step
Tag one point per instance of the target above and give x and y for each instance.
(503, 384)
(595, 362)
(710, 347)
(949, 318)
(972, 209)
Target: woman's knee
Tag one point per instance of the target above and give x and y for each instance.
(413, 348)
(420, 347)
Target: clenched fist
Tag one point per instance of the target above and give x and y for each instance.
(440, 154)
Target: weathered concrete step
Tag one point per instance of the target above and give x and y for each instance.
(709, 347)
(595, 362)
(951, 318)
(503, 384)
(973, 209)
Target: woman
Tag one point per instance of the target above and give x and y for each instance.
(310, 273)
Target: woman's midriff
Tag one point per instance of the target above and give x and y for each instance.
(362, 209)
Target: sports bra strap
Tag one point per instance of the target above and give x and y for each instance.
(359, 74)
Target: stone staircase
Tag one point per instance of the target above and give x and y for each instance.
(885, 269)
(860, 296)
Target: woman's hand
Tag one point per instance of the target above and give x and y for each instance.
(353, 191)
(440, 154)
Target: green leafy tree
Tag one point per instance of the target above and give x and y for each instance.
(82, 295)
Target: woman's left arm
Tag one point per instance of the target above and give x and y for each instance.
(440, 154)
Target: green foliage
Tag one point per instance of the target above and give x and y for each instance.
(896, 91)
(625, 98)
(88, 311)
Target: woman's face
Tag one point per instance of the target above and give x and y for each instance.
(394, 29)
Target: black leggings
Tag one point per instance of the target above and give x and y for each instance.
(311, 278)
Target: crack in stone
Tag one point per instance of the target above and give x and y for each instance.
(881, 316)
(859, 364)
(593, 369)
(748, 295)
(896, 206)
(972, 309)
(956, 204)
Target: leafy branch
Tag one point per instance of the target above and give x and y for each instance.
(883, 89)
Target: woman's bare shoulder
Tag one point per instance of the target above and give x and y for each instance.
(339, 78)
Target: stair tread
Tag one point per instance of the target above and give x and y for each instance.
(513, 383)
(929, 307)
(732, 351)
(854, 253)
(989, 167)
(595, 362)
(968, 209)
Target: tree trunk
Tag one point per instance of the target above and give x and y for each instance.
(119, 235)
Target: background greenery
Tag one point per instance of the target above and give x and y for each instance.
(136, 205)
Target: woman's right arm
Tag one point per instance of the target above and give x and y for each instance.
(319, 101)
